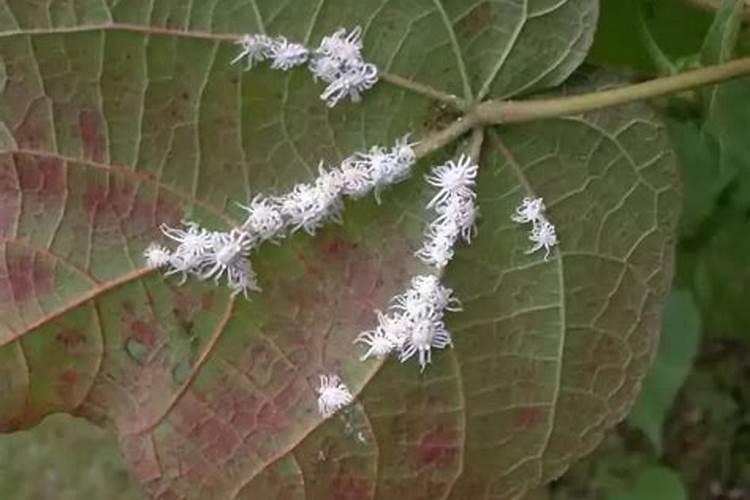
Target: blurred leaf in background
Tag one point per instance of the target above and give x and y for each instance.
(64, 458)
(654, 483)
(678, 345)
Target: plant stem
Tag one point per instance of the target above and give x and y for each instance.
(497, 112)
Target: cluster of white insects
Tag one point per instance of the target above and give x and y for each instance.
(542, 233)
(413, 324)
(206, 254)
(337, 61)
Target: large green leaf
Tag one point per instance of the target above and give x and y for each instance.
(118, 116)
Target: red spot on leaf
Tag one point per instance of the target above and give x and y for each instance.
(142, 332)
(128, 308)
(28, 276)
(10, 197)
(524, 418)
(92, 135)
(187, 303)
(115, 199)
(438, 447)
(41, 175)
(208, 300)
(335, 248)
(270, 419)
(71, 340)
(140, 453)
(35, 132)
(346, 486)
(66, 388)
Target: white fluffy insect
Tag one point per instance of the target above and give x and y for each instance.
(241, 278)
(427, 333)
(378, 342)
(351, 83)
(264, 219)
(356, 180)
(307, 206)
(530, 210)
(543, 235)
(286, 55)
(453, 179)
(156, 255)
(333, 395)
(437, 249)
(228, 251)
(253, 48)
(193, 243)
(426, 293)
(342, 46)
(457, 212)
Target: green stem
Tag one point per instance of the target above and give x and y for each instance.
(498, 112)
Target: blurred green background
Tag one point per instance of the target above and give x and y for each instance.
(689, 434)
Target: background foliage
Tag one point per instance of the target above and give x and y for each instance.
(705, 309)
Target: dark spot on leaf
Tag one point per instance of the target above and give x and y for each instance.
(34, 132)
(71, 340)
(92, 135)
(207, 300)
(41, 176)
(482, 16)
(438, 447)
(65, 388)
(346, 486)
(335, 248)
(524, 418)
(142, 332)
(270, 419)
(28, 276)
(127, 307)
(439, 116)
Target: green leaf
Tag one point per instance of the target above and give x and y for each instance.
(725, 121)
(124, 115)
(655, 483)
(721, 40)
(618, 42)
(64, 458)
(703, 179)
(722, 278)
(678, 346)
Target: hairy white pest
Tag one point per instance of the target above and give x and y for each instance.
(453, 179)
(264, 219)
(530, 210)
(253, 48)
(156, 255)
(350, 83)
(426, 333)
(286, 55)
(543, 235)
(333, 395)
(227, 251)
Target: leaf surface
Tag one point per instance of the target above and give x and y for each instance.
(118, 116)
